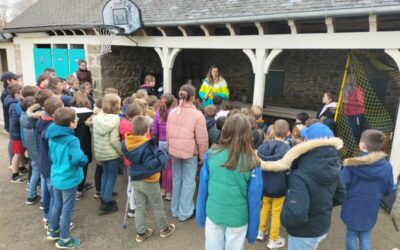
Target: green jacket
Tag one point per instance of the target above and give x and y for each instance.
(227, 203)
(107, 144)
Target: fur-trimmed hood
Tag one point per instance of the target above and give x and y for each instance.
(286, 162)
(35, 111)
(363, 160)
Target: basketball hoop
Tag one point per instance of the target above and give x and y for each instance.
(106, 36)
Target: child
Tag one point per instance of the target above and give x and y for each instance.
(149, 85)
(86, 88)
(128, 100)
(225, 108)
(82, 107)
(147, 162)
(300, 123)
(66, 173)
(213, 133)
(257, 112)
(368, 179)
(274, 183)
(187, 141)
(73, 84)
(152, 101)
(228, 202)
(125, 127)
(141, 94)
(42, 81)
(217, 101)
(15, 132)
(107, 149)
(28, 126)
(159, 132)
(51, 104)
(314, 187)
(258, 134)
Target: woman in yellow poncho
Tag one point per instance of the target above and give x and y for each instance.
(213, 85)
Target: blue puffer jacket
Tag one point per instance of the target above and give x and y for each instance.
(66, 156)
(42, 144)
(274, 177)
(8, 101)
(367, 178)
(15, 128)
(28, 129)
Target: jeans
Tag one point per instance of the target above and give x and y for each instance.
(358, 124)
(183, 187)
(166, 181)
(109, 178)
(149, 193)
(303, 243)
(48, 197)
(364, 238)
(64, 204)
(273, 206)
(224, 238)
(34, 179)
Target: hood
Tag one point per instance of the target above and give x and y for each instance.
(272, 151)
(135, 146)
(210, 122)
(373, 171)
(35, 111)
(8, 101)
(55, 131)
(317, 158)
(105, 122)
(25, 121)
(133, 141)
(44, 122)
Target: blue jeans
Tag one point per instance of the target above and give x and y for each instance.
(109, 178)
(364, 238)
(183, 187)
(34, 179)
(220, 237)
(304, 243)
(64, 204)
(48, 197)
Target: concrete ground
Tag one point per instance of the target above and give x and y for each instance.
(21, 225)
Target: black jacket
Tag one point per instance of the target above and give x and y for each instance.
(315, 187)
(82, 131)
(274, 177)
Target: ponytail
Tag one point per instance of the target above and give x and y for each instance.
(166, 101)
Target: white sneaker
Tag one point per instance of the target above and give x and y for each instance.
(276, 244)
(260, 236)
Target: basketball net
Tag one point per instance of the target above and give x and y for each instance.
(106, 36)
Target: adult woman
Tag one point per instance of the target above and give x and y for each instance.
(213, 85)
(83, 74)
(187, 140)
(327, 113)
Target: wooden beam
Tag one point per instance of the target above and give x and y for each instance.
(373, 23)
(183, 30)
(329, 25)
(293, 26)
(162, 31)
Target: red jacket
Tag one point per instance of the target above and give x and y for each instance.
(355, 101)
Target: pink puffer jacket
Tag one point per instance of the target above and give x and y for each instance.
(187, 132)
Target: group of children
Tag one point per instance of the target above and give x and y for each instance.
(300, 180)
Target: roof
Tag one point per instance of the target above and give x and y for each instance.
(5, 37)
(71, 14)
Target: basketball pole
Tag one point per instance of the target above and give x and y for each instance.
(342, 87)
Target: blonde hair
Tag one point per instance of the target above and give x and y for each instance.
(141, 94)
(149, 78)
(80, 100)
(111, 104)
(143, 104)
(281, 128)
(256, 111)
(111, 91)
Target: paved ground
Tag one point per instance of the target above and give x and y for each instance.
(21, 225)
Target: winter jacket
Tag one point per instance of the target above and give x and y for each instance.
(42, 144)
(186, 132)
(66, 100)
(8, 101)
(146, 158)
(6, 117)
(28, 125)
(233, 201)
(274, 177)
(213, 132)
(355, 101)
(159, 127)
(258, 137)
(262, 125)
(66, 156)
(107, 144)
(82, 131)
(314, 188)
(15, 128)
(84, 76)
(367, 178)
(208, 91)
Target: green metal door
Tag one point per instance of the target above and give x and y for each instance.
(60, 62)
(42, 60)
(74, 56)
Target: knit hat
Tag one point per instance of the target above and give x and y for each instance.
(316, 131)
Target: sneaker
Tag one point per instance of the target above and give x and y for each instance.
(98, 195)
(168, 197)
(53, 235)
(71, 243)
(131, 213)
(167, 232)
(18, 179)
(31, 201)
(260, 236)
(189, 218)
(145, 236)
(108, 207)
(163, 193)
(80, 195)
(41, 207)
(276, 244)
(87, 186)
(23, 170)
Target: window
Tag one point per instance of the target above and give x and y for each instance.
(274, 83)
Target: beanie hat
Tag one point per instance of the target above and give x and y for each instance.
(316, 131)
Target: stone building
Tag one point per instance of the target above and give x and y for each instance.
(281, 55)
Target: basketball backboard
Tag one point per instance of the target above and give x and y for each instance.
(124, 14)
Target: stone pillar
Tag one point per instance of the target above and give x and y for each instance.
(94, 65)
(395, 153)
(167, 57)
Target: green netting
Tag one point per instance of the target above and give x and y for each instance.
(371, 79)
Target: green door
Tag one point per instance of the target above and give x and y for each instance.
(60, 62)
(74, 56)
(42, 60)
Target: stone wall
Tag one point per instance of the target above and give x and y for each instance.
(94, 65)
(124, 67)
